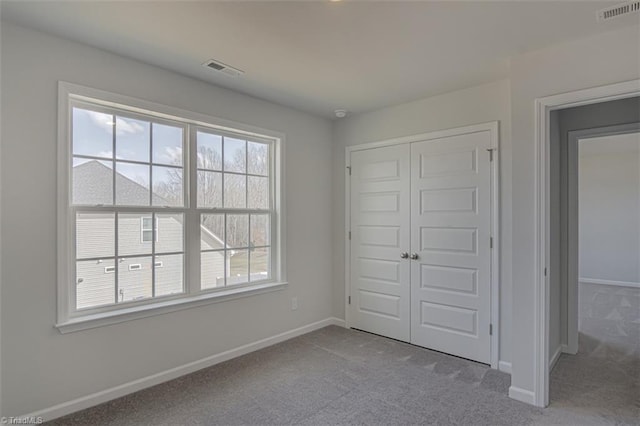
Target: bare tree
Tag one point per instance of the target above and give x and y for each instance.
(239, 191)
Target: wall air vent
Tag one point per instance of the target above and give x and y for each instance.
(618, 11)
(223, 68)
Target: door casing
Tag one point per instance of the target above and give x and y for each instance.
(539, 396)
(493, 128)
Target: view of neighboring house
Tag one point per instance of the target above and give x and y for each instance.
(140, 260)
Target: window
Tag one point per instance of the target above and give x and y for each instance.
(137, 173)
(146, 231)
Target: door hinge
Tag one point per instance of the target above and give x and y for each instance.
(545, 272)
(349, 168)
(349, 235)
(490, 242)
(490, 329)
(490, 150)
(349, 299)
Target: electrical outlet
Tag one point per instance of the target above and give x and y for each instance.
(294, 303)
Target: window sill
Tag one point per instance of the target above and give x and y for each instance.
(114, 317)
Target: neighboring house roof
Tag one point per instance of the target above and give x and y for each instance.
(92, 183)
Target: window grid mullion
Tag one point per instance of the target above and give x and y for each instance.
(246, 177)
(223, 178)
(154, 217)
(116, 260)
(192, 217)
(154, 231)
(151, 165)
(226, 254)
(249, 248)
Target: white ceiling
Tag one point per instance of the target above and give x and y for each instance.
(319, 55)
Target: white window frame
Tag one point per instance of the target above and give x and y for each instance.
(69, 319)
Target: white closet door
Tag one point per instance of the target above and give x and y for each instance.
(379, 235)
(450, 232)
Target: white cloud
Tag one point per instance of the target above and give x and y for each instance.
(172, 155)
(123, 126)
(104, 121)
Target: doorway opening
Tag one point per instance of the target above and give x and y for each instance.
(593, 257)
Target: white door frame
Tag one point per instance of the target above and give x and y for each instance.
(573, 214)
(543, 108)
(492, 127)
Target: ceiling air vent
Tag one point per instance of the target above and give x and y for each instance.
(223, 68)
(618, 10)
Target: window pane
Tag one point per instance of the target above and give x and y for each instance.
(235, 191)
(212, 269)
(95, 235)
(132, 184)
(169, 274)
(212, 232)
(167, 144)
(235, 155)
(260, 264)
(132, 139)
(238, 267)
(209, 189)
(258, 192)
(209, 151)
(258, 156)
(167, 186)
(95, 283)
(260, 230)
(133, 236)
(169, 233)
(92, 182)
(237, 230)
(92, 133)
(134, 278)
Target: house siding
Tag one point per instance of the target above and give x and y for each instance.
(95, 285)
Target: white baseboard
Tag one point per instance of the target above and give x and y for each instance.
(608, 282)
(504, 366)
(566, 349)
(555, 357)
(339, 322)
(155, 379)
(522, 395)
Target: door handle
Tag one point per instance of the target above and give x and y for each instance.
(414, 256)
(404, 255)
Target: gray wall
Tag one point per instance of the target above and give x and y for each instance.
(480, 104)
(41, 367)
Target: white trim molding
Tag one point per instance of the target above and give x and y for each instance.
(504, 366)
(522, 395)
(543, 107)
(555, 357)
(93, 399)
(599, 281)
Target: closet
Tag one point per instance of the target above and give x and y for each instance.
(420, 240)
